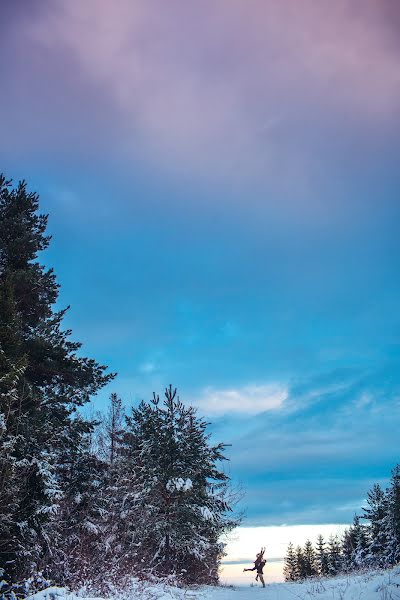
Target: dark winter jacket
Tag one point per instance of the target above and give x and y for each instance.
(260, 566)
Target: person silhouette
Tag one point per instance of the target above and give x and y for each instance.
(259, 565)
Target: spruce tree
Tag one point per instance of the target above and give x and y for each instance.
(322, 557)
(121, 516)
(10, 468)
(115, 425)
(349, 545)
(360, 536)
(391, 521)
(289, 570)
(334, 555)
(182, 498)
(310, 562)
(43, 380)
(375, 513)
(77, 558)
(110, 430)
(300, 564)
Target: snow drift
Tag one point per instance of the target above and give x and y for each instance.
(371, 585)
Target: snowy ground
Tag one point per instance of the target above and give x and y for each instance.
(383, 585)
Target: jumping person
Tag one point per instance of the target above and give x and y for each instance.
(259, 565)
(260, 572)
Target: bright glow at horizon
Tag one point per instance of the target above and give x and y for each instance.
(245, 542)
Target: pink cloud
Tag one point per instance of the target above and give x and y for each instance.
(232, 88)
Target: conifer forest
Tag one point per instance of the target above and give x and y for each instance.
(90, 501)
(372, 541)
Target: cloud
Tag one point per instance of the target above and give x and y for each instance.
(248, 399)
(233, 89)
(147, 368)
(306, 463)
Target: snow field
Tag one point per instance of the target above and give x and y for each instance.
(372, 585)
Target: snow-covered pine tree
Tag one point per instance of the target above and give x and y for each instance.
(52, 382)
(183, 503)
(114, 425)
(391, 520)
(375, 513)
(289, 570)
(360, 536)
(110, 430)
(334, 555)
(310, 562)
(121, 515)
(322, 557)
(349, 544)
(10, 464)
(300, 564)
(78, 558)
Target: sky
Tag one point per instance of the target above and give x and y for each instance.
(223, 186)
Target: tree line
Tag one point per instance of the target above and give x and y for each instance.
(373, 540)
(90, 501)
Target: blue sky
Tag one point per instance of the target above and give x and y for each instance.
(223, 189)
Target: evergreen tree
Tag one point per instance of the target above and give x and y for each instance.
(10, 468)
(334, 555)
(322, 557)
(182, 499)
(78, 557)
(391, 520)
(290, 568)
(349, 545)
(42, 382)
(121, 516)
(110, 432)
(115, 425)
(310, 562)
(376, 543)
(375, 513)
(360, 543)
(301, 572)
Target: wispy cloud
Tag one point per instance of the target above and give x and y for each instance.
(307, 464)
(147, 368)
(248, 399)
